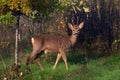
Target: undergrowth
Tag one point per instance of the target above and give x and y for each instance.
(104, 68)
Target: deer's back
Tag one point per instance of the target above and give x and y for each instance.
(52, 43)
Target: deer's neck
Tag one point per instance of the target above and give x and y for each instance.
(73, 39)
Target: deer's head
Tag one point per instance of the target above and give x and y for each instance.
(75, 28)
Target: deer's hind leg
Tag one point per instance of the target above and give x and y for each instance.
(37, 61)
(30, 58)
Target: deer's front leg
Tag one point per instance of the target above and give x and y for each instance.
(64, 59)
(57, 59)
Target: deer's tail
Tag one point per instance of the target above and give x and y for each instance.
(32, 40)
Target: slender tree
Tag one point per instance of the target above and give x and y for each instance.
(12, 10)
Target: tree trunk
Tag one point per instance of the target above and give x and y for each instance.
(17, 41)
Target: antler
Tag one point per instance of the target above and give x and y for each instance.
(75, 15)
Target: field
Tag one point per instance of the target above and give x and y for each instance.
(104, 68)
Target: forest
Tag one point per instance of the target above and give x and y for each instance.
(98, 42)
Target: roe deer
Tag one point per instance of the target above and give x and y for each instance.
(50, 43)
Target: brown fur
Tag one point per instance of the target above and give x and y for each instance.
(50, 43)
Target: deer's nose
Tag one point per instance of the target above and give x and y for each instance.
(76, 32)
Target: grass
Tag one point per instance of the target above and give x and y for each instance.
(105, 68)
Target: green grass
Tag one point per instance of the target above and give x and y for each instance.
(105, 68)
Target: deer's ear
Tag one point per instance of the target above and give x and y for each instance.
(81, 25)
(70, 26)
